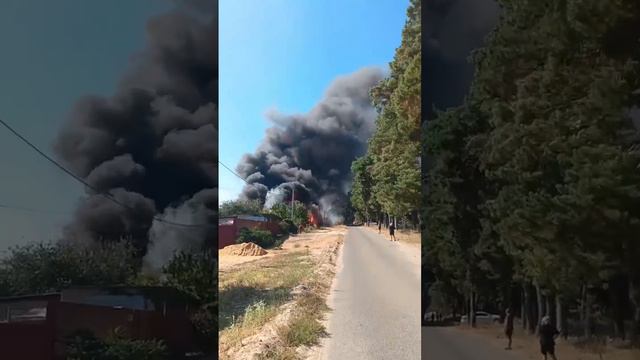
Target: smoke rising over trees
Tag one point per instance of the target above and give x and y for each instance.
(453, 28)
(313, 151)
(153, 144)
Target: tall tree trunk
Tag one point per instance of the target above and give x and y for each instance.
(472, 306)
(634, 298)
(582, 302)
(559, 315)
(540, 307)
(531, 309)
(524, 306)
(587, 314)
(547, 307)
(472, 315)
(618, 292)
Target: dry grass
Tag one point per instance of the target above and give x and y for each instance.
(250, 297)
(274, 306)
(303, 329)
(279, 353)
(409, 236)
(527, 347)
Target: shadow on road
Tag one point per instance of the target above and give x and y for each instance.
(444, 323)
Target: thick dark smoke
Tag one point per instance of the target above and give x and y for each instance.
(165, 239)
(314, 151)
(452, 30)
(153, 144)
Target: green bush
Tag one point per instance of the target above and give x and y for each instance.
(128, 349)
(264, 238)
(205, 323)
(287, 227)
(196, 275)
(83, 345)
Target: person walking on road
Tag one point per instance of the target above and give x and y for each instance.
(392, 232)
(508, 327)
(548, 334)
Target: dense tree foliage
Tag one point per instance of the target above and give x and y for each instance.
(47, 267)
(240, 207)
(532, 184)
(196, 275)
(300, 213)
(362, 189)
(387, 178)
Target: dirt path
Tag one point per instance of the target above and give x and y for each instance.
(452, 344)
(525, 346)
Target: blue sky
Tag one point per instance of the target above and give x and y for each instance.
(53, 52)
(283, 54)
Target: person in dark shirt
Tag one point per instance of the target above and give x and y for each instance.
(392, 232)
(548, 334)
(508, 327)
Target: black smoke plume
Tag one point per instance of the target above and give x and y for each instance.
(452, 30)
(313, 151)
(153, 144)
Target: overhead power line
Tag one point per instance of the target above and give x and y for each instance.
(233, 172)
(107, 195)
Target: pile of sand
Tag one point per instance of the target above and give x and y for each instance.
(244, 249)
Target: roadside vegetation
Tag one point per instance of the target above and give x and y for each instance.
(386, 180)
(533, 184)
(83, 345)
(263, 238)
(252, 296)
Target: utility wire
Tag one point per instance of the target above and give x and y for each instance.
(107, 195)
(233, 172)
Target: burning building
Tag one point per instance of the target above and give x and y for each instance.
(314, 216)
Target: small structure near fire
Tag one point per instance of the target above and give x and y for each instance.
(229, 227)
(36, 327)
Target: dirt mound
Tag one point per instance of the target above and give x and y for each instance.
(245, 249)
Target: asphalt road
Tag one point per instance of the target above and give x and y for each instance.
(375, 301)
(442, 343)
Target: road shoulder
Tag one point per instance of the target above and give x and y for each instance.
(290, 324)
